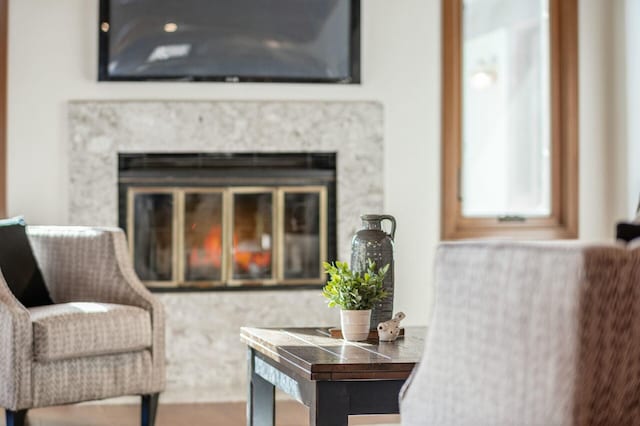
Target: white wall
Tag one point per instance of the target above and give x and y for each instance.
(632, 124)
(53, 55)
(609, 174)
(596, 183)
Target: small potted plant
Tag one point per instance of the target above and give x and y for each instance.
(355, 293)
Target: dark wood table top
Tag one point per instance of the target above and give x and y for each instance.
(315, 355)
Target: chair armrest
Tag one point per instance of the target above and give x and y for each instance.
(87, 264)
(16, 346)
(92, 265)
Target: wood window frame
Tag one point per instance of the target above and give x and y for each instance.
(4, 23)
(563, 221)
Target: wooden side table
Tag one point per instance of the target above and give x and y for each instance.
(332, 377)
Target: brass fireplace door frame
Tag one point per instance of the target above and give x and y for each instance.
(277, 217)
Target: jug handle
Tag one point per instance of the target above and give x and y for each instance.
(393, 224)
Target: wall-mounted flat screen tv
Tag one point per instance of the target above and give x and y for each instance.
(315, 41)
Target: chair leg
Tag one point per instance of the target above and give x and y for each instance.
(149, 409)
(15, 418)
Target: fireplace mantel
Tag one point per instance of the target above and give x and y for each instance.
(99, 130)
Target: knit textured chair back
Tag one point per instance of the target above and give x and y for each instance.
(530, 334)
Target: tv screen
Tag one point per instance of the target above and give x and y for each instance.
(230, 40)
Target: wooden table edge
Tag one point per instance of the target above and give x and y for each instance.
(319, 372)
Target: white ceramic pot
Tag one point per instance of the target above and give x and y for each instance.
(355, 324)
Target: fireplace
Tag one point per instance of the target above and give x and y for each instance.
(228, 221)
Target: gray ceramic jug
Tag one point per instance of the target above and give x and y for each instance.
(372, 242)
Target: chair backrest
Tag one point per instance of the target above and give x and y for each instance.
(530, 334)
(78, 262)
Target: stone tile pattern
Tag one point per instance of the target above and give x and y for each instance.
(99, 130)
(206, 361)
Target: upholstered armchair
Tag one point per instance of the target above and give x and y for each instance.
(530, 334)
(103, 337)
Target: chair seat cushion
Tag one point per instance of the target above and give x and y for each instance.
(75, 330)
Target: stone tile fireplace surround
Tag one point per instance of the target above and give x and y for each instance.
(206, 361)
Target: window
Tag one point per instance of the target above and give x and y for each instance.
(510, 119)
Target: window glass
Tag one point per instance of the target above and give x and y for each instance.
(506, 154)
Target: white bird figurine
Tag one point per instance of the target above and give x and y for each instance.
(388, 331)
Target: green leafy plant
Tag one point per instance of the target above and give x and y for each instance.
(354, 290)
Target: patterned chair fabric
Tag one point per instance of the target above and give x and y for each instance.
(530, 334)
(74, 330)
(125, 356)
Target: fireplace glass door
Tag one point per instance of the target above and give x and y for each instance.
(152, 239)
(303, 223)
(252, 230)
(228, 236)
(203, 251)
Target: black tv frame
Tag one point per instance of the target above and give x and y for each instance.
(103, 59)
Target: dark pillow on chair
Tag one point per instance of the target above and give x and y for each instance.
(627, 231)
(18, 265)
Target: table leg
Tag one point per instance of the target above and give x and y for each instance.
(333, 402)
(261, 398)
(330, 406)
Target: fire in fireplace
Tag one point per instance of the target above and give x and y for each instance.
(214, 221)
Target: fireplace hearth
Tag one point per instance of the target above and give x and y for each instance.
(212, 221)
